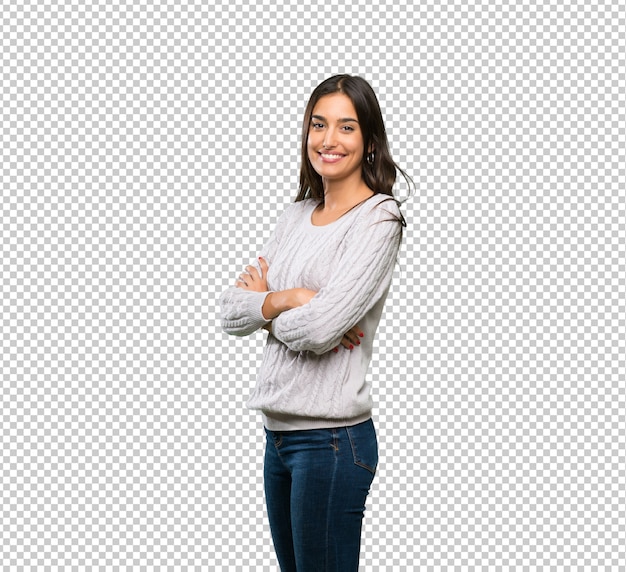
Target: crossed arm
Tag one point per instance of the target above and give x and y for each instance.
(277, 302)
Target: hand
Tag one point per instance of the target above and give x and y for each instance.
(251, 279)
(351, 339)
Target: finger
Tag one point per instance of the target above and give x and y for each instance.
(355, 334)
(249, 270)
(263, 265)
(357, 331)
(352, 338)
(347, 343)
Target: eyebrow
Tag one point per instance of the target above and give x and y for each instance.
(342, 120)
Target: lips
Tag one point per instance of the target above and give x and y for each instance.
(331, 157)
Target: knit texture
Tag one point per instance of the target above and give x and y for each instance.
(301, 383)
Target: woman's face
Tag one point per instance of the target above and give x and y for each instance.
(335, 140)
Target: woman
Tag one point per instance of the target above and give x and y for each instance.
(319, 287)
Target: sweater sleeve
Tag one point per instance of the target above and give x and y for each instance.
(241, 313)
(363, 276)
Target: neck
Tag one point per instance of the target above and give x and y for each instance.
(341, 195)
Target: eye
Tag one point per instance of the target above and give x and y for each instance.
(348, 128)
(317, 125)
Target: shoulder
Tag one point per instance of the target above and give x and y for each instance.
(380, 218)
(380, 207)
(293, 211)
(291, 216)
(384, 202)
(297, 208)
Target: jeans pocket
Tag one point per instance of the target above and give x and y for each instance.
(364, 445)
(273, 437)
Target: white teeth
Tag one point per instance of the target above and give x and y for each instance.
(331, 156)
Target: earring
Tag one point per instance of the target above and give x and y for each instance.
(370, 158)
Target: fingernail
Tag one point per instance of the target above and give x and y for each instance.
(361, 335)
(335, 350)
(351, 347)
(358, 343)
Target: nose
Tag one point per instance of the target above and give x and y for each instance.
(329, 139)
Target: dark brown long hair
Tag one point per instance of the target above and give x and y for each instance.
(379, 173)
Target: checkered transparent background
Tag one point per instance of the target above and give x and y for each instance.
(146, 151)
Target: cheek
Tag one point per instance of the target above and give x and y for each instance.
(312, 142)
(359, 149)
(311, 147)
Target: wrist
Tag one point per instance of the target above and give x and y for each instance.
(276, 303)
(297, 297)
(280, 301)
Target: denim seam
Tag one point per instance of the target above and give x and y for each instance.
(277, 443)
(355, 457)
(335, 443)
(331, 493)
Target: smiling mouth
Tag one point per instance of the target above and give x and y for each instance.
(330, 156)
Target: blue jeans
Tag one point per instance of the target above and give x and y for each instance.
(316, 483)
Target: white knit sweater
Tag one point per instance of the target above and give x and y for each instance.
(301, 383)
